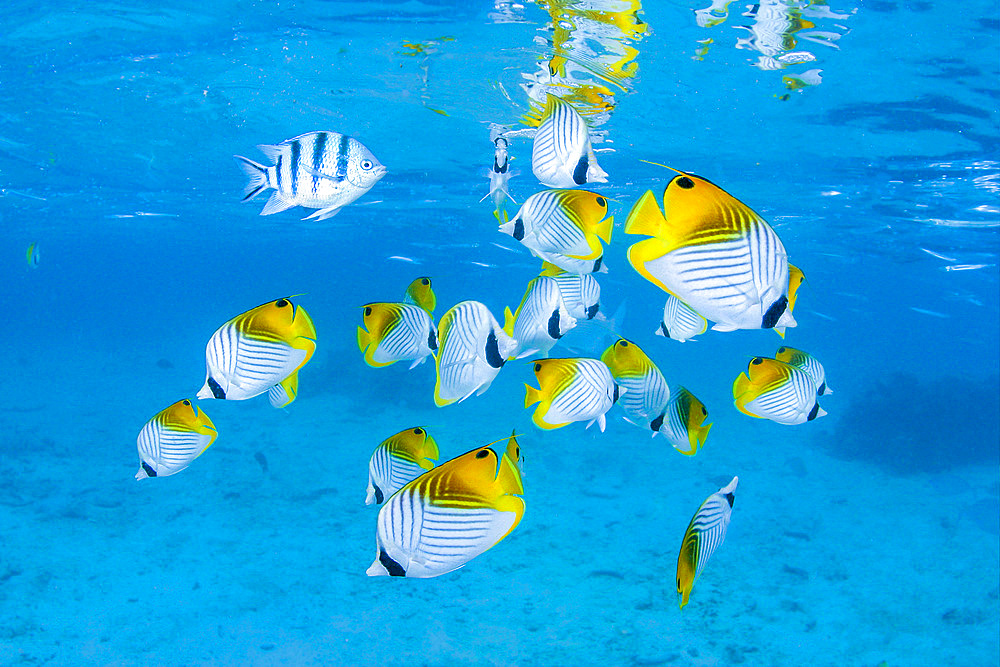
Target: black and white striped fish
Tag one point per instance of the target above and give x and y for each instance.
(568, 222)
(775, 390)
(808, 363)
(561, 156)
(703, 536)
(172, 439)
(714, 253)
(580, 291)
(449, 515)
(473, 348)
(680, 321)
(571, 390)
(254, 351)
(540, 320)
(321, 170)
(397, 461)
(396, 332)
(682, 422)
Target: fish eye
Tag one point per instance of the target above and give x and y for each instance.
(368, 311)
(281, 303)
(482, 453)
(685, 182)
(704, 411)
(623, 343)
(538, 367)
(781, 350)
(187, 402)
(418, 431)
(366, 164)
(757, 361)
(601, 201)
(425, 281)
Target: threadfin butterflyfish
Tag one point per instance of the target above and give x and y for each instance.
(712, 252)
(321, 170)
(421, 293)
(561, 156)
(473, 348)
(682, 422)
(254, 351)
(775, 390)
(571, 390)
(33, 256)
(647, 391)
(450, 514)
(172, 439)
(580, 292)
(704, 535)
(680, 321)
(540, 320)
(808, 363)
(568, 222)
(396, 332)
(398, 460)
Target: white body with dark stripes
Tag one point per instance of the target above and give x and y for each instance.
(680, 322)
(320, 170)
(542, 318)
(645, 395)
(166, 451)
(794, 402)
(544, 223)
(571, 264)
(738, 284)
(588, 397)
(561, 156)
(672, 423)
(412, 338)
(581, 293)
(711, 522)
(473, 348)
(387, 474)
(416, 538)
(241, 367)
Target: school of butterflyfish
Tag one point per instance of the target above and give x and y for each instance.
(717, 262)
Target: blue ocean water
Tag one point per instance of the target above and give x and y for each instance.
(865, 132)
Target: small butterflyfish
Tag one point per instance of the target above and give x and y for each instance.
(646, 391)
(808, 363)
(396, 332)
(680, 321)
(172, 439)
(398, 460)
(703, 536)
(473, 348)
(561, 156)
(682, 422)
(540, 320)
(775, 390)
(571, 390)
(580, 292)
(567, 222)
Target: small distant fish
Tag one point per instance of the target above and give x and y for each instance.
(808, 363)
(939, 255)
(571, 390)
(421, 293)
(572, 264)
(473, 348)
(254, 351)
(321, 170)
(680, 321)
(399, 460)
(682, 422)
(703, 536)
(580, 292)
(932, 313)
(400, 258)
(646, 392)
(396, 332)
(568, 222)
(32, 256)
(966, 267)
(561, 156)
(499, 173)
(449, 515)
(775, 390)
(541, 319)
(712, 252)
(172, 439)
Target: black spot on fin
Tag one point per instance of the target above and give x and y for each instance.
(774, 313)
(392, 567)
(554, 325)
(379, 497)
(657, 423)
(493, 357)
(813, 412)
(580, 173)
(593, 311)
(432, 341)
(216, 389)
(664, 329)
(614, 398)
(518, 229)
(149, 470)
(730, 498)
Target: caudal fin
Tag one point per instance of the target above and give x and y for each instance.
(257, 173)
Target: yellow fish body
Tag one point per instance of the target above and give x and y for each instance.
(398, 460)
(712, 252)
(703, 536)
(396, 332)
(172, 439)
(682, 422)
(449, 515)
(646, 391)
(421, 293)
(775, 390)
(567, 222)
(254, 351)
(571, 390)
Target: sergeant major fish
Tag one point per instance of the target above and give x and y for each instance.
(321, 170)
